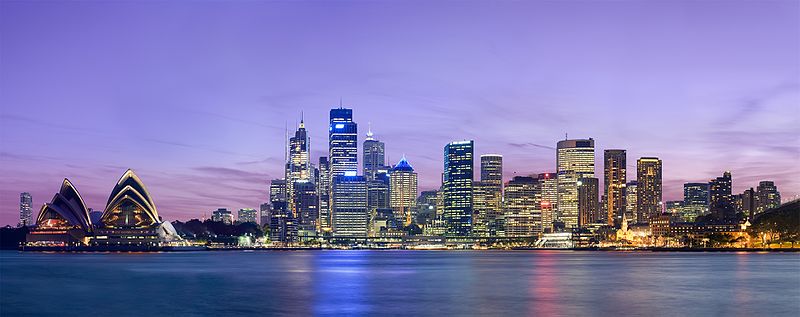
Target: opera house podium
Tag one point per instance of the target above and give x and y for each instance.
(130, 222)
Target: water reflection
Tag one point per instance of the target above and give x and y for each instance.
(435, 283)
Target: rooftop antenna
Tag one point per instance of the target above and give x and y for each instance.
(340, 102)
(369, 130)
(286, 141)
(566, 136)
(302, 119)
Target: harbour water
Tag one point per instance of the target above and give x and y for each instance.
(427, 283)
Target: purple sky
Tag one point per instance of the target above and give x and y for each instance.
(194, 96)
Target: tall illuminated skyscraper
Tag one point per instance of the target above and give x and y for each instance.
(649, 190)
(767, 196)
(247, 215)
(403, 191)
(298, 167)
(695, 201)
(488, 196)
(519, 207)
(720, 196)
(342, 143)
(574, 160)
(374, 156)
(548, 201)
(614, 184)
(323, 191)
(25, 210)
(631, 201)
(349, 214)
(306, 205)
(457, 187)
(588, 201)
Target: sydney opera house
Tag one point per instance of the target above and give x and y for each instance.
(130, 221)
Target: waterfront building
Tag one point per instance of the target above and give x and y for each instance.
(264, 214)
(298, 167)
(323, 191)
(614, 179)
(547, 191)
(63, 222)
(25, 210)
(695, 201)
(378, 193)
(588, 202)
(247, 215)
(426, 206)
(649, 188)
(574, 160)
(282, 225)
(306, 209)
(403, 191)
(222, 215)
(519, 207)
(374, 156)
(674, 208)
(721, 203)
(342, 143)
(488, 197)
(631, 209)
(748, 201)
(767, 196)
(130, 219)
(349, 213)
(457, 187)
(277, 190)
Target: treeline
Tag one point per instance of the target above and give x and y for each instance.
(781, 224)
(216, 231)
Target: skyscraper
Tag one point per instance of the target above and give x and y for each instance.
(298, 166)
(25, 213)
(767, 196)
(574, 160)
(695, 201)
(222, 215)
(720, 196)
(349, 214)
(277, 191)
(631, 200)
(247, 215)
(519, 207)
(588, 201)
(488, 208)
(342, 143)
(374, 156)
(306, 208)
(403, 191)
(378, 197)
(282, 221)
(649, 190)
(323, 191)
(457, 187)
(614, 184)
(548, 191)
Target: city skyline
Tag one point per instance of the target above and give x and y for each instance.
(210, 144)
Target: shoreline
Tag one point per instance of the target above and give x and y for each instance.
(206, 249)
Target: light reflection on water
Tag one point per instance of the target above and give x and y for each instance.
(432, 283)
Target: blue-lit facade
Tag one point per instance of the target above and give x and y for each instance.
(349, 215)
(457, 187)
(342, 143)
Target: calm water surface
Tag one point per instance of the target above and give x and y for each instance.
(432, 283)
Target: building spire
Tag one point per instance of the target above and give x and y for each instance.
(302, 118)
(340, 102)
(369, 131)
